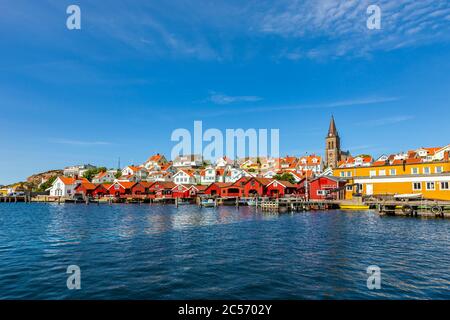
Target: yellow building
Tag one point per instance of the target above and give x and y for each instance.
(401, 177)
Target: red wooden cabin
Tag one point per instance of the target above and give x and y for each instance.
(276, 189)
(256, 187)
(161, 189)
(184, 191)
(326, 188)
(85, 188)
(121, 188)
(89, 189)
(138, 190)
(219, 189)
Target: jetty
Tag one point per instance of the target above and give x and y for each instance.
(14, 199)
(416, 208)
(384, 207)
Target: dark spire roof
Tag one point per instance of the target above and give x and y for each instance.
(332, 131)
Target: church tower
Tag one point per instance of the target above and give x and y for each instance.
(333, 146)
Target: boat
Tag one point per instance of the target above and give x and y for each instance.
(354, 207)
(251, 202)
(411, 196)
(182, 202)
(208, 203)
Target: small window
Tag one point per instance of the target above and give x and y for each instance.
(372, 173)
(382, 172)
(415, 170)
(426, 170)
(392, 172)
(349, 174)
(439, 170)
(349, 188)
(430, 186)
(417, 186)
(342, 174)
(445, 185)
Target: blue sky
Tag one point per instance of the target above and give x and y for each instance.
(137, 70)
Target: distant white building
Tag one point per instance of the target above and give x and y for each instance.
(78, 170)
(188, 161)
(185, 176)
(104, 177)
(208, 175)
(224, 162)
(442, 154)
(139, 173)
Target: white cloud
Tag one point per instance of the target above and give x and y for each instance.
(219, 98)
(80, 143)
(326, 105)
(386, 121)
(337, 28)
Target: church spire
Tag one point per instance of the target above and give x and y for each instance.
(332, 131)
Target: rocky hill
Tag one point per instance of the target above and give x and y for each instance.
(39, 178)
(33, 182)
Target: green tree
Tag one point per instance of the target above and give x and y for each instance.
(89, 174)
(285, 177)
(47, 184)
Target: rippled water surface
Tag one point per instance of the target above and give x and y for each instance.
(161, 252)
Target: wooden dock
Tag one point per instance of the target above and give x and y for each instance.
(14, 199)
(296, 205)
(412, 208)
(416, 208)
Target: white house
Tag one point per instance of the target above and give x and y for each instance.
(155, 161)
(188, 161)
(310, 163)
(159, 176)
(208, 175)
(104, 177)
(234, 174)
(77, 170)
(439, 155)
(184, 176)
(224, 162)
(269, 174)
(139, 172)
(64, 186)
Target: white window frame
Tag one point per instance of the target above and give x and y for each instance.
(438, 169)
(382, 173)
(425, 169)
(444, 188)
(430, 189)
(415, 170)
(414, 186)
(393, 172)
(372, 173)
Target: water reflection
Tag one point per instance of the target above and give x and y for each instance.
(157, 252)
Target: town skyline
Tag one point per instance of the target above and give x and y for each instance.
(120, 86)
